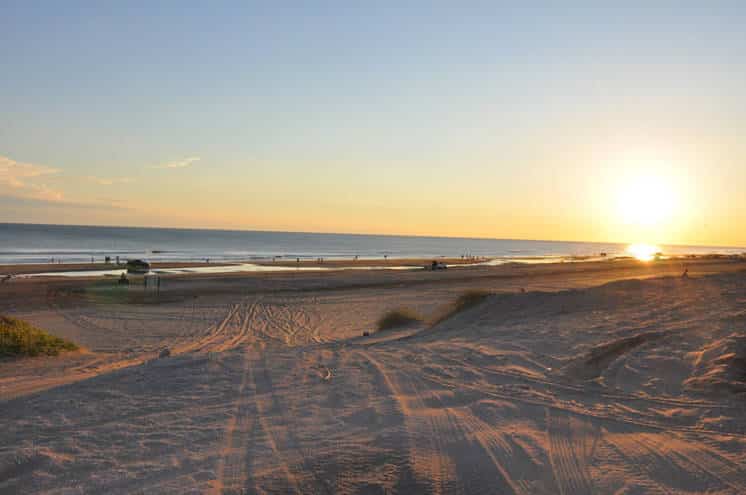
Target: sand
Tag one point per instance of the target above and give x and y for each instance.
(30, 268)
(612, 377)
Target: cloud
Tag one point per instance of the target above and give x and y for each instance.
(110, 181)
(22, 180)
(186, 162)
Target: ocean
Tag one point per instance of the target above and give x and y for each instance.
(33, 243)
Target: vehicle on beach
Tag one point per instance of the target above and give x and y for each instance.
(437, 265)
(138, 266)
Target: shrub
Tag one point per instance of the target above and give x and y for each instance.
(398, 318)
(18, 338)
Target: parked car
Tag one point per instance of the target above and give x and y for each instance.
(437, 265)
(138, 266)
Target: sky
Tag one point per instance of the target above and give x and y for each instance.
(478, 119)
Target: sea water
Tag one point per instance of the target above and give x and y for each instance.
(31, 243)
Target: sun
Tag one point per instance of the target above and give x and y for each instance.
(646, 199)
(643, 252)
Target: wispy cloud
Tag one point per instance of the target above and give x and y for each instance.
(22, 180)
(109, 181)
(186, 162)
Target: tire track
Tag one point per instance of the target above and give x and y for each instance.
(430, 464)
(568, 454)
(294, 459)
(693, 463)
(232, 468)
(571, 407)
(666, 401)
(440, 435)
(259, 404)
(396, 407)
(213, 334)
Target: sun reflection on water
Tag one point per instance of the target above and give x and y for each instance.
(643, 252)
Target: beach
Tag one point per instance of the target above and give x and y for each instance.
(595, 377)
(380, 248)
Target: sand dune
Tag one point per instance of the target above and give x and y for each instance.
(630, 386)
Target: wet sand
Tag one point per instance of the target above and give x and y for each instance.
(368, 262)
(607, 377)
(32, 268)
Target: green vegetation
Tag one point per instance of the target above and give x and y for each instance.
(467, 300)
(398, 318)
(18, 338)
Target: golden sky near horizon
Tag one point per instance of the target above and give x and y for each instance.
(616, 196)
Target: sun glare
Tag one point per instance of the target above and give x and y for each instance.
(643, 252)
(646, 200)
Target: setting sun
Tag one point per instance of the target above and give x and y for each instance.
(646, 200)
(643, 252)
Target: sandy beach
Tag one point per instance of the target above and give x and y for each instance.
(569, 378)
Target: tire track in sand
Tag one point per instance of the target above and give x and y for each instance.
(430, 463)
(249, 430)
(570, 452)
(215, 333)
(394, 406)
(231, 469)
(439, 438)
(285, 445)
(695, 466)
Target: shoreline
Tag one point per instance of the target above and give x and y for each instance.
(173, 268)
(26, 293)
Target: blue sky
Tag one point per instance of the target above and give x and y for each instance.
(295, 112)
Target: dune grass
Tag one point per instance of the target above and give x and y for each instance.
(465, 301)
(18, 338)
(398, 318)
